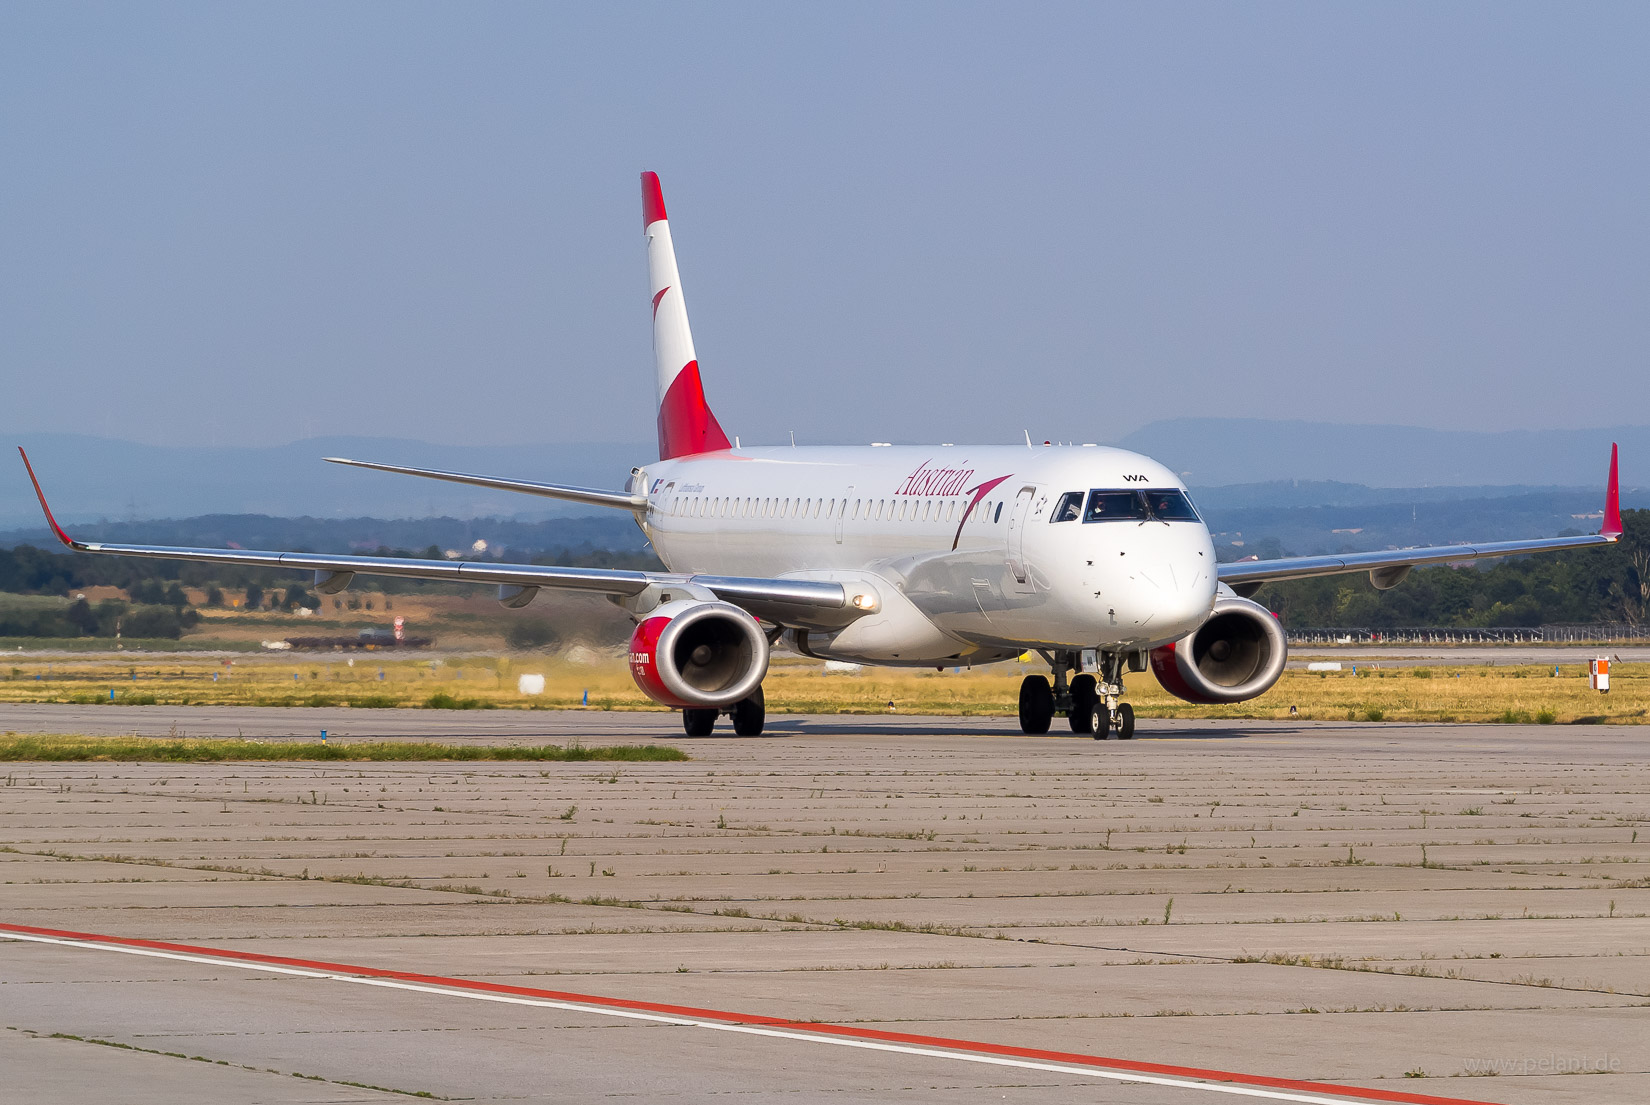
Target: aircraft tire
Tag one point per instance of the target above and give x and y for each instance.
(1125, 722)
(1083, 698)
(750, 714)
(1100, 722)
(1036, 704)
(698, 723)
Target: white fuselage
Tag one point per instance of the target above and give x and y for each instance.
(959, 544)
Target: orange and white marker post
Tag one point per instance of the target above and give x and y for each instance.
(1598, 675)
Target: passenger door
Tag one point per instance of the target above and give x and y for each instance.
(1019, 575)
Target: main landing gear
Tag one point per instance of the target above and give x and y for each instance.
(748, 714)
(1090, 705)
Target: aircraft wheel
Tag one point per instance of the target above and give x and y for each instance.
(749, 715)
(1083, 698)
(698, 723)
(1036, 704)
(1125, 722)
(1100, 722)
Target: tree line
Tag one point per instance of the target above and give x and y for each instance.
(1579, 586)
(157, 605)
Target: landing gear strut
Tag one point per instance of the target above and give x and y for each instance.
(748, 714)
(1091, 703)
(1039, 703)
(1109, 717)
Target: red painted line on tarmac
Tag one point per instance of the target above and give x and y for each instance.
(850, 1032)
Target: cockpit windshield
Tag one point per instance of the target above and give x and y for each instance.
(1115, 506)
(1165, 505)
(1170, 505)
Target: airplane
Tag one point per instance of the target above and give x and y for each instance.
(897, 556)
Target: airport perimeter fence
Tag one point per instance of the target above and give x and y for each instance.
(1597, 633)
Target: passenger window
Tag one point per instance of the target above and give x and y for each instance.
(1069, 508)
(999, 514)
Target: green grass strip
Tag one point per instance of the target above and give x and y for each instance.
(55, 748)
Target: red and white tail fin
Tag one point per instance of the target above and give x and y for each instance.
(686, 425)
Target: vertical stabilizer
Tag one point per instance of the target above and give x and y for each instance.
(686, 425)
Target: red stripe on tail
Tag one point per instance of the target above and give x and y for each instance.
(686, 425)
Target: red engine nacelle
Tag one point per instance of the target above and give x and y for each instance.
(698, 654)
(1236, 655)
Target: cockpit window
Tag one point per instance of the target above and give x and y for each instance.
(1170, 505)
(1069, 508)
(1167, 505)
(1115, 506)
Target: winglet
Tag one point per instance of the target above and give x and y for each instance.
(41, 495)
(1612, 500)
(653, 200)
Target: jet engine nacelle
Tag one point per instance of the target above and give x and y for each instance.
(1236, 655)
(697, 654)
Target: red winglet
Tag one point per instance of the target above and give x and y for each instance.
(41, 495)
(653, 200)
(1612, 500)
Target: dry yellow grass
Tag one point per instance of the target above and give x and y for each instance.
(1442, 693)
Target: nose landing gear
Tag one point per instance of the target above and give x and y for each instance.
(1115, 723)
(1112, 718)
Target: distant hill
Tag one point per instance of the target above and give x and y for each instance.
(1300, 518)
(1218, 452)
(1401, 521)
(91, 478)
(1295, 482)
(612, 530)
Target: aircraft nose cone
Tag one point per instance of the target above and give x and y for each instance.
(1175, 596)
(1163, 577)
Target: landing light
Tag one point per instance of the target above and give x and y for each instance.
(865, 602)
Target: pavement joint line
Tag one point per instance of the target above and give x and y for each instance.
(936, 1047)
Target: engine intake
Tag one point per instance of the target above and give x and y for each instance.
(1237, 654)
(698, 654)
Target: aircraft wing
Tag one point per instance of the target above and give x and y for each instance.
(805, 601)
(1388, 567)
(587, 495)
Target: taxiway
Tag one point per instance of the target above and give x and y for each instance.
(854, 909)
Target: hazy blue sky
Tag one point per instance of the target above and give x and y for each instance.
(255, 223)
